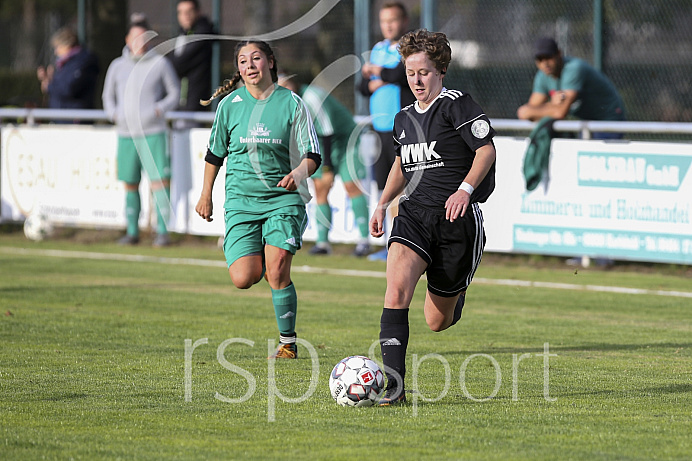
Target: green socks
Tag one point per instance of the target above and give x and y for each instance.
(360, 211)
(323, 215)
(163, 209)
(133, 206)
(285, 307)
(324, 221)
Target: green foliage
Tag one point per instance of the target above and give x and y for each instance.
(93, 364)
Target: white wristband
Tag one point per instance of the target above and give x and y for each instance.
(466, 187)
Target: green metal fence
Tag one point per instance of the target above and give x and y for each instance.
(644, 47)
(646, 50)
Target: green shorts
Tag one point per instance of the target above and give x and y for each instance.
(149, 153)
(248, 233)
(346, 162)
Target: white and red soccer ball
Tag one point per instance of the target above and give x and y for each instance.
(356, 381)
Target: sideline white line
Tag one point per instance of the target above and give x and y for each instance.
(344, 272)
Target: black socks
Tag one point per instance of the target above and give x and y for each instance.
(393, 342)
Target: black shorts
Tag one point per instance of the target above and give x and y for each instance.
(453, 250)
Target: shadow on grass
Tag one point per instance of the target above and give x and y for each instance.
(680, 388)
(65, 397)
(603, 347)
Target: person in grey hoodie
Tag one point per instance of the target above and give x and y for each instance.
(140, 87)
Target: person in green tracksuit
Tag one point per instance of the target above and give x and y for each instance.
(339, 146)
(265, 134)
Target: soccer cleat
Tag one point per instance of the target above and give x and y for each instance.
(128, 239)
(285, 351)
(321, 249)
(362, 249)
(392, 396)
(162, 240)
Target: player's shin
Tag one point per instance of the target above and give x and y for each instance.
(285, 307)
(394, 333)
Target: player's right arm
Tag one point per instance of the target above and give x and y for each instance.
(396, 182)
(216, 152)
(205, 207)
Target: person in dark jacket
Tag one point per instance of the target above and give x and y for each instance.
(192, 59)
(71, 82)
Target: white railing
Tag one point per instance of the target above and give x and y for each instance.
(32, 116)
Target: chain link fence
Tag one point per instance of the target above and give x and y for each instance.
(647, 50)
(647, 46)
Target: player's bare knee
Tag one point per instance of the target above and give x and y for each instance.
(395, 298)
(438, 325)
(244, 280)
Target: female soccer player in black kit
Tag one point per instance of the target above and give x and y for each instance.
(445, 166)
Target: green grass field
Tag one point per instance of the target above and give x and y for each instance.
(93, 361)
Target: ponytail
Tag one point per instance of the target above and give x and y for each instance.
(226, 88)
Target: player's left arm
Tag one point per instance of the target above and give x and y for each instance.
(307, 143)
(459, 202)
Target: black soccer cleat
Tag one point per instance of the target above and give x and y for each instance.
(393, 396)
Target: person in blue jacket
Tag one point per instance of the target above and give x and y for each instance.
(71, 82)
(384, 82)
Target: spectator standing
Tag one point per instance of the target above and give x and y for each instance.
(71, 82)
(140, 87)
(192, 58)
(384, 82)
(335, 127)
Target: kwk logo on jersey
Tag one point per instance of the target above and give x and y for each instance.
(418, 153)
(420, 156)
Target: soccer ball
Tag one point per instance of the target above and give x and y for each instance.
(356, 381)
(37, 227)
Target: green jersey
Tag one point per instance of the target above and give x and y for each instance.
(331, 118)
(597, 98)
(262, 141)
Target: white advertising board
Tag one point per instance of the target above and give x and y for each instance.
(620, 200)
(67, 173)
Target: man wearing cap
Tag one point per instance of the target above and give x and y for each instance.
(565, 86)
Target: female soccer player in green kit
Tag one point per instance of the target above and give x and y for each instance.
(265, 133)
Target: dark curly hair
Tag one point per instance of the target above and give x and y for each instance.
(229, 85)
(434, 44)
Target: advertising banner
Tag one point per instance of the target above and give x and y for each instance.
(67, 173)
(611, 199)
(620, 200)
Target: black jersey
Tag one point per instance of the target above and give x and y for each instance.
(437, 147)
